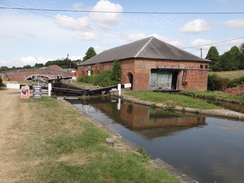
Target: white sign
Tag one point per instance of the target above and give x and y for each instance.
(13, 86)
(127, 85)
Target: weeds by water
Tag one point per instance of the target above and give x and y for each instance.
(66, 147)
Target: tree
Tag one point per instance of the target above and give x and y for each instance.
(90, 53)
(39, 65)
(240, 60)
(27, 67)
(213, 55)
(229, 60)
(241, 47)
(116, 71)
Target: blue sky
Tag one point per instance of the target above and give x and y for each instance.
(29, 37)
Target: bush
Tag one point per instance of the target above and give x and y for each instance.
(214, 82)
(104, 78)
(237, 81)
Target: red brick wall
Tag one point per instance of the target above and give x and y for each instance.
(23, 74)
(192, 75)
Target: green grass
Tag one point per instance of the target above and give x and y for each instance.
(66, 147)
(229, 74)
(171, 99)
(214, 95)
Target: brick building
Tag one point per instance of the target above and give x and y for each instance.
(150, 64)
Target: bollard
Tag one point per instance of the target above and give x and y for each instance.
(119, 88)
(49, 89)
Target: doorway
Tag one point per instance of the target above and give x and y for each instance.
(163, 79)
(130, 76)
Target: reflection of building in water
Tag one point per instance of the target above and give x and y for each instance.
(139, 117)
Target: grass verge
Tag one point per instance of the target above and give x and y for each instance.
(214, 95)
(59, 145)
(229, 74)
(171, 99)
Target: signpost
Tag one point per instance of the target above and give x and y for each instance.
(37, 92)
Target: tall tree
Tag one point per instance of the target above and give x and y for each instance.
(229, 60)
(241, 47)
(90, 53)
(213, 55)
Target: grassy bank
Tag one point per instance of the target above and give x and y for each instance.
(214, 95)
(60, 145)
(229, 74)
(171, 99)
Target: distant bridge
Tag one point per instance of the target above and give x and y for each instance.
(28, 74)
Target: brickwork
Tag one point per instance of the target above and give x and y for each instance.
(23, 74)
(191, 75)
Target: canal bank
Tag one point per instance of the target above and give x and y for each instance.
(212, 112)
(45, 140)
(122, 143)
(226, 113)
(208, 149)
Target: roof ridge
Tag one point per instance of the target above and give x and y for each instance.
(138, 53)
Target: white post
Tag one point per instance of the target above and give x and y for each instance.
(119, 104)
(119, 88)
(49, 89)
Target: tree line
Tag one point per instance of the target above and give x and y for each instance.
(63, 63)
(229, 61)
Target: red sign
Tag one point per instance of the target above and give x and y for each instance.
(25, 91)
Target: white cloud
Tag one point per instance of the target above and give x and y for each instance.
(7, 35)
(80, 24)
(236, 24)
(29, 60)
(203, 43)
(100, 49)
(196, 26)
(88, 36)
(2, 62)
(77, 6)
(106, 19)
(134, 37)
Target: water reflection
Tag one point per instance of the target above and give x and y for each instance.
(207, 149)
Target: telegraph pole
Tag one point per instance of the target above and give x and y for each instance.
(67, 59)
(201, 52)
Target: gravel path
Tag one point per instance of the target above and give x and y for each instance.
(9, 111)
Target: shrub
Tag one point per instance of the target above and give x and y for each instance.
(216, 83)
(237, 81)
(104, 78)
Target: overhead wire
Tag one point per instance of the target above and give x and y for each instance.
(38, 10)
(124, 12)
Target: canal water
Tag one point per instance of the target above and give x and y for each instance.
(208, 149)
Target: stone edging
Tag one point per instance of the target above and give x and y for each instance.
(213, 112)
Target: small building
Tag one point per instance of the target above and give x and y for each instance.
(151, 64)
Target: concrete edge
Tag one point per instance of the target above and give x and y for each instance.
(134, 147)
(213, 112)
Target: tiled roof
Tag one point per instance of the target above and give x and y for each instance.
(148, 48)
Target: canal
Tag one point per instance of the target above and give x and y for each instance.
(208, 149)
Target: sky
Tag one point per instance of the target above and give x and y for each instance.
(30, 35)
